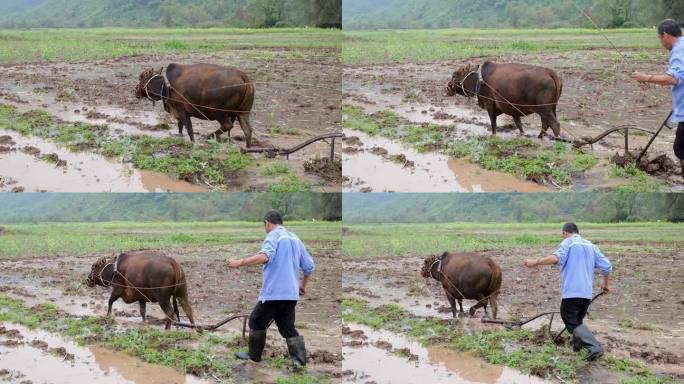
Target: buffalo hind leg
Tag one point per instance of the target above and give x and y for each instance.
(494, 304)
(180, 127)
(518, 123)
(188, 127)
(226, 126)
(549, 121)
(460, 307)
(185, 304)
(142, 309)
(246, 128)
(481, 303)
(165, 304)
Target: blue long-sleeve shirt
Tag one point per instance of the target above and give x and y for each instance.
(676, 70)
(286, 256)
(577, 259)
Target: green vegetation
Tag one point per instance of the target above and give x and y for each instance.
(397, 14)
(288, 182)
(25, 46)
(206, 355)
(62, 239)
(401, 46)
(512, 208)
(211, 163)
(170, 13)
(633, 324)
(530, 352)
(366, 240)
(638, 180)
(522, 157)
(526, 159)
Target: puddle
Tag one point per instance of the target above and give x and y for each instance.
(76, 364)
(433, 365)
(84, 172)
(432, 172)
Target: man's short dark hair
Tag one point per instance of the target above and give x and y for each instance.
(570, 228)
(670, 27)
(273, 217)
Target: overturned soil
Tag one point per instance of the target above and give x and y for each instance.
(215, 293)
(639, 319)
(597, 95)
(296, 99)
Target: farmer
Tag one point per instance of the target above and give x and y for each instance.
(577, 259)
(671, 38)
(282, 256)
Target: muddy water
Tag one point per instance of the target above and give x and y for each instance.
(92, 365)
(432, 172)
(433, 365)
(83, 172)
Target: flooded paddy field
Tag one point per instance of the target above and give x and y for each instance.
(51, 322)
(401, 103)
(396, 319)
(85, 111)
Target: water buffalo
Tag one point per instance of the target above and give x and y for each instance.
(465, 276)
(143, 276)
(203, 91)
(513, 89)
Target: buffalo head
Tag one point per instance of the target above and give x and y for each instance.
(95, 276)
(150, 84)
(463, 81)
(428, 265)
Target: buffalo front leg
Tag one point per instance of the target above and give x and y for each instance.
(112, 299)
(142, 309)
(246, 128)
(492, 119)
(180, 127)
(460, 306)
(452, 303)
(188, 127)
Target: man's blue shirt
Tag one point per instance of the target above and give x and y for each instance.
(676, 70)
(577, 259)
(286, 256)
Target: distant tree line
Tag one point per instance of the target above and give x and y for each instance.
(171, 13)
(65, 207)
(512, 208)
(398, 14)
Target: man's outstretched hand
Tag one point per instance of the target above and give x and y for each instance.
(233, 263)
(531, 263)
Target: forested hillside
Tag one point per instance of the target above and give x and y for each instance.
(170, 13)
(65, 207)
(400, 14)
(507, 207)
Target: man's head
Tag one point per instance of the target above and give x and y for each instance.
(272, 219)
(570, 229)
(668, 33)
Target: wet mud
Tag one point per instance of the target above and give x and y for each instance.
(296, 99)
(596, 96)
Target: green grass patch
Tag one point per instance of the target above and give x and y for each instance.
(401, 239)
(212, 163)
(206, 355)
(637, 180)
(40, 45)
(69, 239)
(405, 46)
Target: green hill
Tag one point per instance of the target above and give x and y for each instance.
(169, 13)
(420, 14)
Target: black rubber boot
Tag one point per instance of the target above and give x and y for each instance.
(297, 349)
(257, 341)
(583, 338)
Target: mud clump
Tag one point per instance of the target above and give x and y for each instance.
(54, 158)
(352, 140)
(39, 344)
(62, 352)
(406, 353)
(30, 150)
(325, 357)
(351, 150)
(5, 149)
(401, 159)
(378, 151)
(325, 168)
(657, 164)
(382, 344)
(443, 116)
(6, 140)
